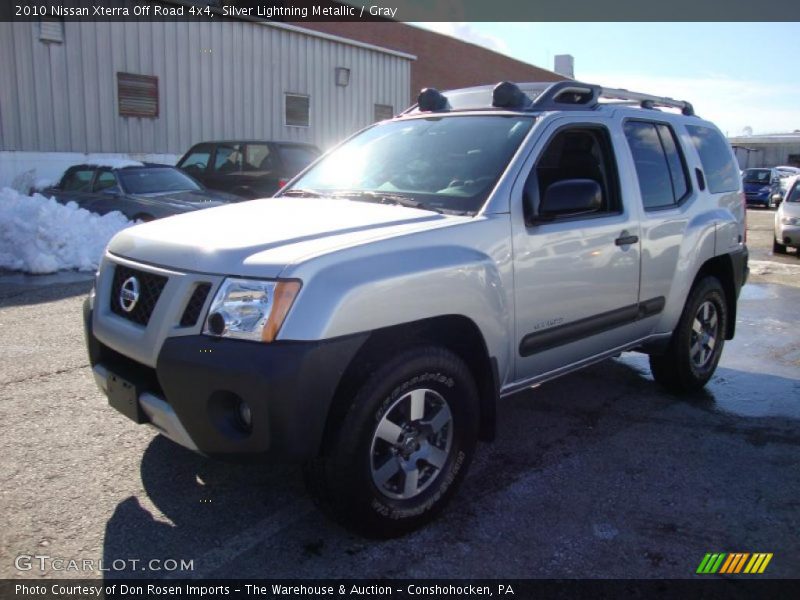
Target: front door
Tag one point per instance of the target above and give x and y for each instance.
(576, 275)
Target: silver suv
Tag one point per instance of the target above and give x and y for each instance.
(368, 319)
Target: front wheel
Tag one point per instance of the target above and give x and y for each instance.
(778, 248)
(403, 447)
(696, 344)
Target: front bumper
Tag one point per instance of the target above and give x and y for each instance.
(193, 394)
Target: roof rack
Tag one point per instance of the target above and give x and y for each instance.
(561, 95)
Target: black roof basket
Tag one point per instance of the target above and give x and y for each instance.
(561, 95)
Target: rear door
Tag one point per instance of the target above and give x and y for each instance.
(576, 278)
(225, 171)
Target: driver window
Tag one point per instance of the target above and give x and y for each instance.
(197, 160)
(577, 153)
(105, 180)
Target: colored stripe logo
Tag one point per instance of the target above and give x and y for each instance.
(724, 563)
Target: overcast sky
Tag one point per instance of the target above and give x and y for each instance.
(737, 75)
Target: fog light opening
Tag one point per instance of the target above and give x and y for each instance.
(245, 415)
(217, 323)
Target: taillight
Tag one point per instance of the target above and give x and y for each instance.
(744, 210)
(282, 182)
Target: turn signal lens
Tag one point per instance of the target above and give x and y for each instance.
(283, 298)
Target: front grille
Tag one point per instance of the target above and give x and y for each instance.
(150, 288)
(192, 311)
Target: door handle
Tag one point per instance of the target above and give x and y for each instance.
(626, 240)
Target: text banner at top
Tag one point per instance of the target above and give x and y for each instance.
(403, 10)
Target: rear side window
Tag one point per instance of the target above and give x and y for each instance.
(257, 158)
(722, 173)
(228, 159)
(78, 181)
(297, 158)
(659, 164)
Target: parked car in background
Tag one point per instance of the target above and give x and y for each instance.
(787, 220)
(761, 186)
(140, 191)
(247, 168)
(787, 175)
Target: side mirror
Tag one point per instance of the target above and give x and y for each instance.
(570, 197)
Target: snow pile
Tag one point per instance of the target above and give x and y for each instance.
(29, 180)
(39, 235)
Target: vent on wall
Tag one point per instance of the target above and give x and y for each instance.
(51, 31)
(297, 112)
(137, 95)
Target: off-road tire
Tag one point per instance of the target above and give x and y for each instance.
(688, 364)
(342, 479)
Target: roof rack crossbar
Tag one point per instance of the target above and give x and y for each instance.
(647, 100)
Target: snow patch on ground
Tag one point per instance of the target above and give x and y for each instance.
(39, 235)
(767, 267)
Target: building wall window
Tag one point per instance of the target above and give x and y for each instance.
(383, 112)
(137, 95)
(297, 110)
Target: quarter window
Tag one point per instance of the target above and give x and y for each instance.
(659, 164)
(722, 172)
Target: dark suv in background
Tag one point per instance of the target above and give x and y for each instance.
(247, 168)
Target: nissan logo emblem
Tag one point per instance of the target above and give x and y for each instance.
(129, 294)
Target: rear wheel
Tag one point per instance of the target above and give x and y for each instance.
(696, 344)
(778, 248)
(403, 447)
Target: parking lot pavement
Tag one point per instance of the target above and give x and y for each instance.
(598, 474)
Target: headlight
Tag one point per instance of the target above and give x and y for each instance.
(249, 309)
(790, 220)
(766, 188)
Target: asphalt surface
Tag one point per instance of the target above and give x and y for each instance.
(598, 474)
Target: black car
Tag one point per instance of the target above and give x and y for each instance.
(248, 168)
(142, 192)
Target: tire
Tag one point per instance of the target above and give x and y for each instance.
(696, 344)
(778, 248)
(403, 446)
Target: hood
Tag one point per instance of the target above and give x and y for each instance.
(191, 198)
(261, 237)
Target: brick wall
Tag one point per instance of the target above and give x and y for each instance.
(442, 62)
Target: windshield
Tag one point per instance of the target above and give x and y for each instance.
(154, 181)
(757, 176)
(436, 163)
(794, 194)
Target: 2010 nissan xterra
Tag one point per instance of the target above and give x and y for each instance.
(368, 319)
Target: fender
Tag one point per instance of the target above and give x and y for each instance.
(390, 283)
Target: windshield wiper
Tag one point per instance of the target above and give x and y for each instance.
(386, 198)
(302, 193)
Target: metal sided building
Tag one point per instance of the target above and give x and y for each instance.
(150, 90)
